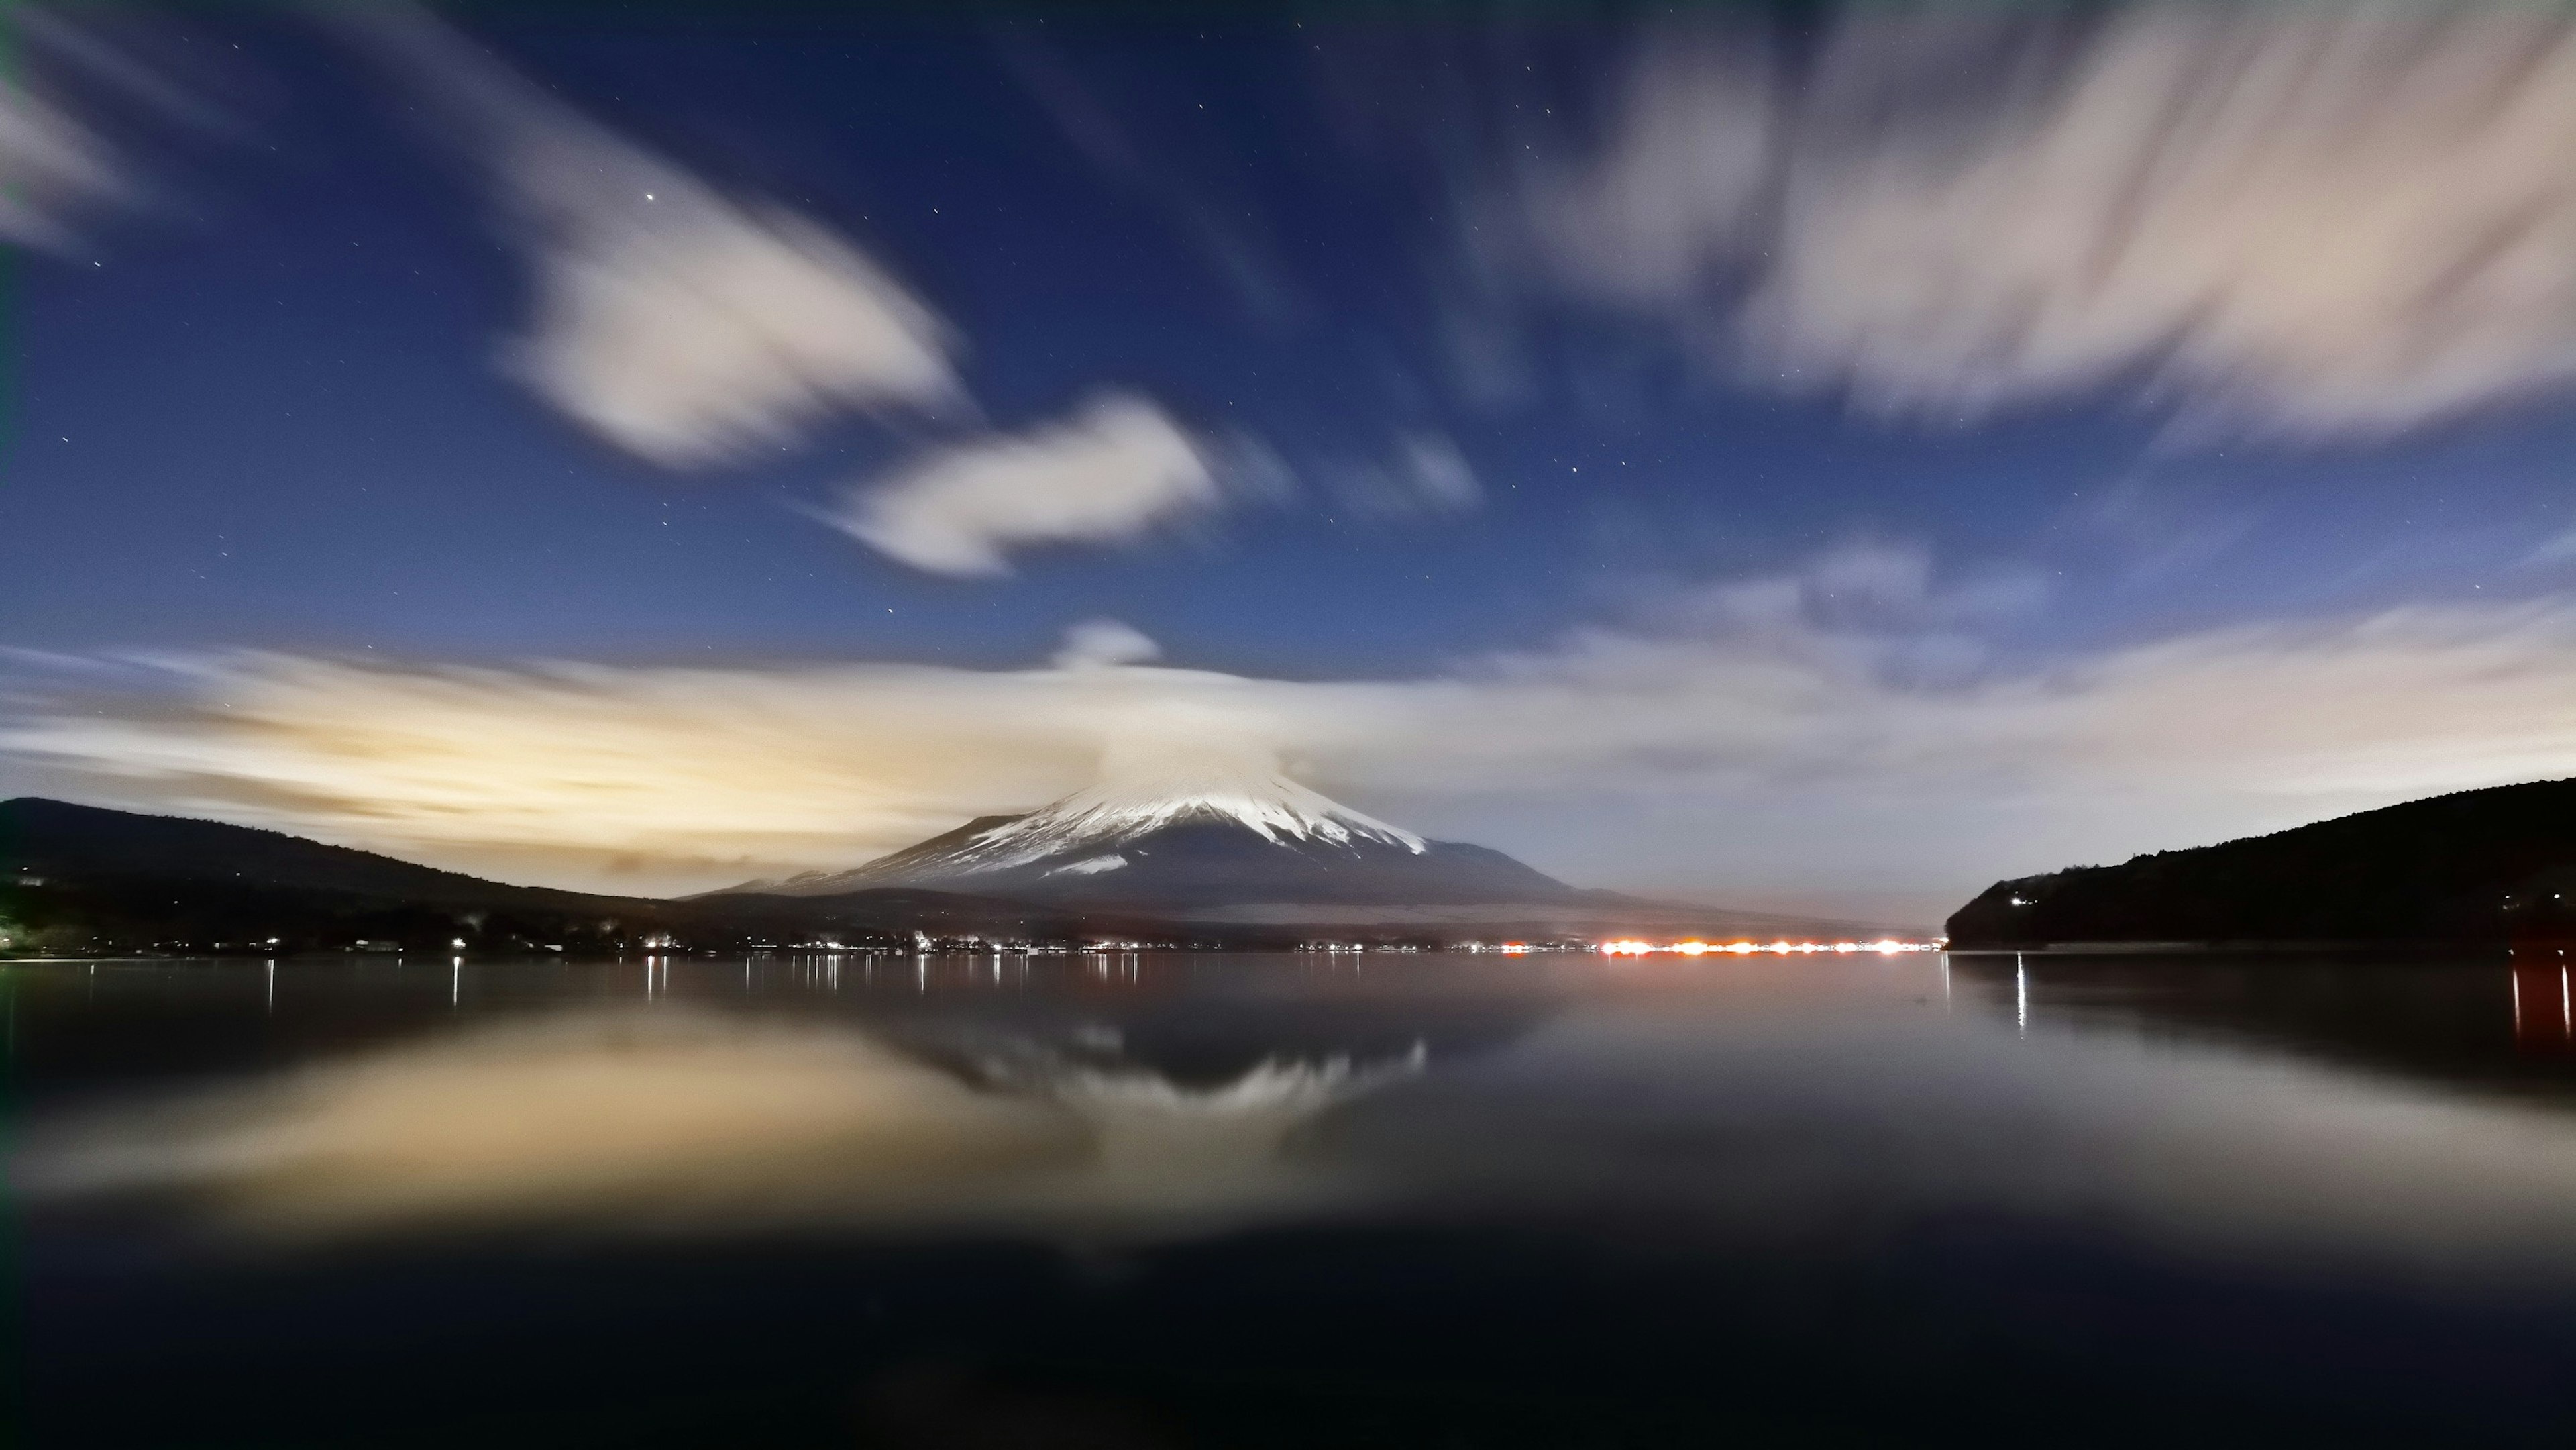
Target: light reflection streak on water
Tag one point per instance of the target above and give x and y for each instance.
(2021, 996)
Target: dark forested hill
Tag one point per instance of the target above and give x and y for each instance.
(58, 840)
(82, 878)
(2482, 866)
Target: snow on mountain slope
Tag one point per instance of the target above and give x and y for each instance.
(1192, 833)
(1102, 816)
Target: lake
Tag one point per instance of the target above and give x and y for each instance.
(1294, 1200)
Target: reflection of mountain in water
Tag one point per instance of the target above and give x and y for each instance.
(1200, 1044)
(2478, 1021)
(685, 1117)
(1212, 1146)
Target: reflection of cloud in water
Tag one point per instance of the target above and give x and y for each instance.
(689, 1120)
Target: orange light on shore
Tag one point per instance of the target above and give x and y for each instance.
(1635, 947)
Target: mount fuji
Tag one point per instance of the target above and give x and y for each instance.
(1191, 839)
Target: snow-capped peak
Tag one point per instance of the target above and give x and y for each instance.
(1119, 810)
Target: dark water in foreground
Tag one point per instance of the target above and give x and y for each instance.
(1291, 1201)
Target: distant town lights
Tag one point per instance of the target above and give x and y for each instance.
(1633, 947)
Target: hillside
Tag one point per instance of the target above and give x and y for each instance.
(83, 878)
(55, 839)
(2479, 867)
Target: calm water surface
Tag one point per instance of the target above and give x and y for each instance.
(1173, 1201)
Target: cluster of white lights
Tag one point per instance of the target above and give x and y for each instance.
(1630, 947)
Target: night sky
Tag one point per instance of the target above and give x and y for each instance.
(1824, 462)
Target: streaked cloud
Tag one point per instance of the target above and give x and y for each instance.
(696, 328)
(1770, 732)
(50, 167)
(71, 82)
(1422, 473)
(1223, 231)
(685, 325)
(2300, 221)
(1114, 471)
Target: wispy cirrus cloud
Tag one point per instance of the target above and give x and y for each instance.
(682, 324)
(1233, 247)
(77, 85)
(2302, 221)
(51, 167)
(1421, 474)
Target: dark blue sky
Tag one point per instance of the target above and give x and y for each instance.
(260, 404)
